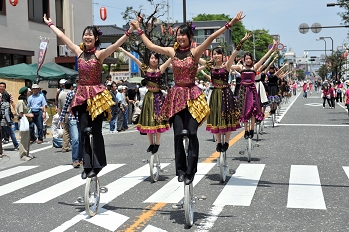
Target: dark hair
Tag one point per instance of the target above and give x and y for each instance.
(23, 96)
(95, 33)
(219, 50)
(113, 83)
(157, 56)
(3, 83)
(185, 29)
(43, 91)
(272, 67)
(68, 84)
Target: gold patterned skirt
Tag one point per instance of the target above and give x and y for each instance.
(100, 103)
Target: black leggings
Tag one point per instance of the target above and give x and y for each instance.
(328, 101)
(99, 150)
(184, 120)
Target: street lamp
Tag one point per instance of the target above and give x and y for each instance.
(325, 43)
(327, 38)
(335, 4)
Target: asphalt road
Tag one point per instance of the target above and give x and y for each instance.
(297, 180)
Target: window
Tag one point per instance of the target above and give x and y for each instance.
(37, 9)
(2, 7)
(209, 31)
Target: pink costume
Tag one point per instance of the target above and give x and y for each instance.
(248, 99)
(185, 93)
(90, 89)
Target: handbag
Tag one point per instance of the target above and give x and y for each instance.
(60, 132)
(328, 96)
(23, 124)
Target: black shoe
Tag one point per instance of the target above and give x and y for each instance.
(93, 172)
(188, 179)
(251, 134)
(272, 111)
(246, 135)
(225, 147)
(150, 148)
(83, 175)
(155, 148)
(219, 147)
(181, 178)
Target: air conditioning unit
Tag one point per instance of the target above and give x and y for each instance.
(64, 50)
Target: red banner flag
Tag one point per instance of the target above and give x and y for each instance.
(42, 54)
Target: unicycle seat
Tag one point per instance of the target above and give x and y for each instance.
(88, 130)
(184, 133)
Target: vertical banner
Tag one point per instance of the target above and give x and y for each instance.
(41, 56)
(134, 66)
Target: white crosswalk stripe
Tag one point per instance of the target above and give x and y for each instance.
(63, 187)
(8, 188)
(241, 186)
(15, 170)
(304, 191)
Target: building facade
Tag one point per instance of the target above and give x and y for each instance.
(22, 26)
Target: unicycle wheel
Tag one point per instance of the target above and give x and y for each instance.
(92, 196)
(249, 150)
(188, 204)
(154, 165)
(223, 167)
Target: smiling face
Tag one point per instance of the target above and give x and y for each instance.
(182, 40)
(218, 56)
(89, 39)
(248, 60)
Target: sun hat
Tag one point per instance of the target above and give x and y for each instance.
(23, 89)
(62, 81)
(35, 86)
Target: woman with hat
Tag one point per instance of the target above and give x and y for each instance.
(22, 110)
(92, 98)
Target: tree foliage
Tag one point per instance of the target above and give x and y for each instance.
(158, 32)
(323, 70)
(211, 17)
(300, 74)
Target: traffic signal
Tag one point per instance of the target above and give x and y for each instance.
(312, 58)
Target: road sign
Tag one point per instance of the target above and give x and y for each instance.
(280, 46)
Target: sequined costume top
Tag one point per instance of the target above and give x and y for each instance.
(185, 91)
(90, 90)
(219, 77)
(154, 80)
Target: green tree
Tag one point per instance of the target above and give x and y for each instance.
(211, 17)
(300, 74)
(323, 70)
(158, 32)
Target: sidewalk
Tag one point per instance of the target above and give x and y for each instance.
(11, 157)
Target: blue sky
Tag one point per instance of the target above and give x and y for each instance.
(281, 17)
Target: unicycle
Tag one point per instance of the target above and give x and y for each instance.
(154, 164)
(92, 187)
(223, 165)
(248, 148)
(189, 200)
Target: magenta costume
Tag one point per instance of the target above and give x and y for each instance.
(90, 101)
(186, 107)
(223, 108)
(185, 93)
(150, 120)
(248, 98)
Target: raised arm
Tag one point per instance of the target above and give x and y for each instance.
(73, 47)
(260, 62)
(280, 70)
(165, 65)
(197, 52)
(271, 63)
(131, 56)
(264, 65)
(230, 62)
(111, 48)
(168, 51)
